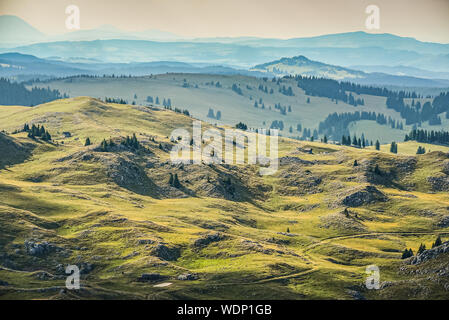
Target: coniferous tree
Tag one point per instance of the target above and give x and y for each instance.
(377, 145)
(176, 182)
(87, 143)
(422, 248)
(394, 147)
(437, 242)
(377, 170)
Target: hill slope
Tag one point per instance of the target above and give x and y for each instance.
(238, 235)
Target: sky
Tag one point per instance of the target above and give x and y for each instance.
(426, 20)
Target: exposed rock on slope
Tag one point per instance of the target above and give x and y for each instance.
(360, 196)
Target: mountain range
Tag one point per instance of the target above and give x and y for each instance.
(107, 49)
(25, 67)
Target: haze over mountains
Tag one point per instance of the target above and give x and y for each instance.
(108, 50)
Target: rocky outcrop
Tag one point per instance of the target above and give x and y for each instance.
(429, 254)
(445, 169)
(187, 276)
(207, 239)
(39, 249)
(364, 195)
(439, 183)
(165, 252)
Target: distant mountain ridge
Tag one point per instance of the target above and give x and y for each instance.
(301, 65)
(107, 44)
(25, 67)
(15, 64)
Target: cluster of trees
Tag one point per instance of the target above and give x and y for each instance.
(12, 93)
(336, 124)
(174, 180)
(394, 147)
(283, 109)
(265, 89)
(395, 124)
(286, 91)
(421, 150)
(106, 146)
(184, 112)
(409, 252)
(212, 83)
(307, 133)
(130, 142)
(361, 142)
(241, 126)
(415, 113)
(113, 100)
(333, 89)
(212, 115)
(237, 89)
(166, 103)
(425, 136)
(37, 131)
(277, 124)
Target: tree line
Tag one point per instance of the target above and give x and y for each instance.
(441, 137)
(12, 93)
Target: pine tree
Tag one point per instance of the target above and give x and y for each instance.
(394, 147)
(377, 170)
(377, 145)
(356, 164)
(176, 182)
(170, 180)
(104, 145)
(87, 143)
(437, 242)
(422, 248)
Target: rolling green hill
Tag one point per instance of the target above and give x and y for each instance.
(200, 92)
(306, 232)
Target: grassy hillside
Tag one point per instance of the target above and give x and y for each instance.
(240, 235)
(199, 92)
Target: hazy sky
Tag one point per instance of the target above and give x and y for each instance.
(426, 20)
